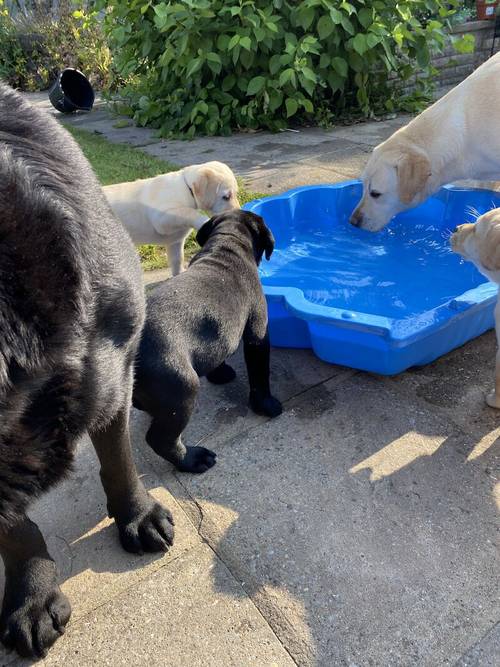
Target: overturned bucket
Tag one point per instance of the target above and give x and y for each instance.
(71, 92)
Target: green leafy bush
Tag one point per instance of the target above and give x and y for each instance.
(36, 44)
(208, 66)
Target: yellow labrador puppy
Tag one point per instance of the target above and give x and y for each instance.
(163, 210)
(452, 140)
(480, 244)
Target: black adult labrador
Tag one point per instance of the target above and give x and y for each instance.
(71, 313)
(194, 322)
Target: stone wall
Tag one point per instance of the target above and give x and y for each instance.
(455, 67)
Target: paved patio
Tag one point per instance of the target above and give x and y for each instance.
(359, 528)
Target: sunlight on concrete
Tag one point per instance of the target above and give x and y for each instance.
(398, 454)
(484, 444)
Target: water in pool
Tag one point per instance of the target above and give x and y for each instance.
(406, 269)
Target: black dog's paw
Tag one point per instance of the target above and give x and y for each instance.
(149, 528)
(35, 611)
(222, 374)
(197, 460)
(265, 405)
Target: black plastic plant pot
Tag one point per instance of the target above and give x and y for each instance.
(71, 92)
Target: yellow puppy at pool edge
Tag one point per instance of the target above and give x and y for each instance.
(480, 244)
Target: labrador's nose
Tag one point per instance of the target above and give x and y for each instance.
(356, 218)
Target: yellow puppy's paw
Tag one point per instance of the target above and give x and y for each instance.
(493, 400)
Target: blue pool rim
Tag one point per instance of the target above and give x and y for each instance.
(372, 342)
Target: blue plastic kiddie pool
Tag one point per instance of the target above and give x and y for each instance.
(379, 302)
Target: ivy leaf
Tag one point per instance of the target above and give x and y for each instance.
(308, 85)
(365, 16)
(464, 44)
(274, 63)
(347, 25)
(372, 40)
(340, 66)
(346, 6)
(309, 74)
(193, 67)
(335, 82)
(256, 85)
(359, 43)
(423, 56)
(291, 107)
(287, 75)
(336, 16)
(246, 43)
(275, 100)
(308, 105)
(325, 26)
(214, 57)
(306, 17)
(324, 60)
(228, 82)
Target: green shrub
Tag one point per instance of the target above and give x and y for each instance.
(209, 66)
(35, 45)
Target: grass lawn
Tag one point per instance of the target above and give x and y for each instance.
(117, 163)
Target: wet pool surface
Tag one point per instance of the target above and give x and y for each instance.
(380, 301)
(399, 272)
(404, 270)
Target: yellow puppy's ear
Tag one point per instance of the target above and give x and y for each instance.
(413, 171)
(205, 188)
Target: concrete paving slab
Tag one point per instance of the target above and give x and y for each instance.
(455, 386)
(273, 152)
(83, 541)
(260, 151)
(178, 617)
(372, 133)
(485, 653)
(350, 162)
(184, 153)
(87, 121)
(292, 175)
(360, 527)
(222, 411)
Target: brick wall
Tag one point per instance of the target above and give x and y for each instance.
(455, 67)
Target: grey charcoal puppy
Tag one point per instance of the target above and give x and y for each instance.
(194, 322)
(71, 314)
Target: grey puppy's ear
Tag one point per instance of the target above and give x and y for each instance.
(267, 239)
(263, 236)
(205, 231)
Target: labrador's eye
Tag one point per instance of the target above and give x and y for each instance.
(375, 194)
(226, 197)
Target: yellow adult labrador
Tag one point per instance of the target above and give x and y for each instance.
(480, 244)
(456, 138)
(163, 210)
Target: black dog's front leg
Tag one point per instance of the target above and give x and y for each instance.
(34, 610)
(257, 362)
(143, 524)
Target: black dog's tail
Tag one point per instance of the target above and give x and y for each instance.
(44, 300)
